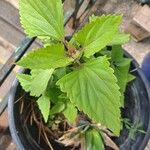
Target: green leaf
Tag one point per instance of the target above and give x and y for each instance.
(97, 34)
(54, 92)
(70, 112)
(59, 73)
(121, 67)
(44, 106)
(25, 81)
(93, 140)
(45, 58)
(93, 18)
(119, 39)
(131, 77)
(42, 18)
(92, 88)
(35, 83)
(57, 108)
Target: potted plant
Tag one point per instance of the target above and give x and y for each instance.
(75, 93)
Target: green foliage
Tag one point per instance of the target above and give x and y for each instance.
(42, 18)
(97, 34)
(32, 83)
(92, 88)
(70, 112)
(57, 108)
(133, 128)
(120, 38)
(44, 106)
(45, 58)
(93, 140)
(76, 75)
(121, 67)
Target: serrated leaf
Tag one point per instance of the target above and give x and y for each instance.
(93, 18)
(25, 81)
(57, 108)
(92, 88)
(42, 18)
(93, 140)
(44, 106)
(120, 38)
(32, 83)
(97, 34)
(131, 77)
(121, 67)
(45, 58)
(70, 112)
(59, 73)
(54, 93)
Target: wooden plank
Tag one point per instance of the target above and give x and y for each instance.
(137, 32)
(11, 34)
(142, 17)
(6, 85)
(6, 49)
(15, 3)
(10, 13)
(4, 120)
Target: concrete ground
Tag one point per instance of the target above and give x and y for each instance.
(9, 26)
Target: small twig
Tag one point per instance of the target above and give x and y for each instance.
(20, 98)
(39, 138)
(83, 144)
(21, 107)
(108, 141)
(104, 129)
(38, 123)
(28, 115)
(49, 144)
(133, 70)
(78, 62)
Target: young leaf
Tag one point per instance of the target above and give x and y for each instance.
(57, 108)
(121, 67)
(92, 88)
(97, 34)
(93, 140)
(70, 113)
(59, 73)
(25, 81)
(32, 83)
(42, 18)
(131, 77)
(44, 106)
(53, 92)
(119, 39)
(45, 58)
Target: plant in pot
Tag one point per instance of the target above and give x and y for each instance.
(73, 93)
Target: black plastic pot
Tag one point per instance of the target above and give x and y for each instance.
(137, 109)
(144, 1)
(146, 66)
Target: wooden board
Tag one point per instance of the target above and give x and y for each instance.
(137, 32)
(142, 17)
(139, 27)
